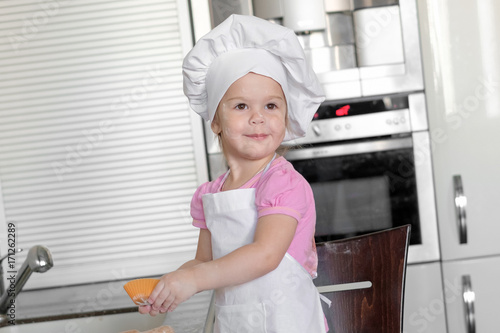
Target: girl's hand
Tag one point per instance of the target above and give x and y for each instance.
(173, 289)
(180, 284)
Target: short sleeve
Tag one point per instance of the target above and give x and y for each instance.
(286, 192)
(197, 212)
(197, 207)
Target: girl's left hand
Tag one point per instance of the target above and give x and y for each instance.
(172, 289)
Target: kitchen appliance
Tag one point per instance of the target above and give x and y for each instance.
(367, 47)
(298, 15)
(368, 163)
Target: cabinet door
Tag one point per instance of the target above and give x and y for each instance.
(424, 310)
(462, 82)
(471, 287)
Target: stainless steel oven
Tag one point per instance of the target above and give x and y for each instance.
(368, 163)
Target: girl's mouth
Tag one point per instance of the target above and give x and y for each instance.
(257, 136)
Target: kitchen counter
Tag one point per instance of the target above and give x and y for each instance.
(102, 299)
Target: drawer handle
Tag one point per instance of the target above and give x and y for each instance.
(460, 207)
(469, 298)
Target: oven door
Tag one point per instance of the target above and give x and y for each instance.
(371, 185)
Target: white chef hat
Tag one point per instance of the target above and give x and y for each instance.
(243, 44)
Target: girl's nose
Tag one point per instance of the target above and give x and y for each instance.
(257, 117)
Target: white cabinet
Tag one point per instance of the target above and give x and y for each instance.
(461, 56)
(424, 309)
(472, 287)
(461, 61)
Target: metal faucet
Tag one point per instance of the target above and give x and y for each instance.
(39, 260)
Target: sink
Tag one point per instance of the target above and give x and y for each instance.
(189, 317)
(111, 323)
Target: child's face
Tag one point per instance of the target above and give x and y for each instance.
(251, 118)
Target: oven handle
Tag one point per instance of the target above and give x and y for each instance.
(349, 148)
(460, 208)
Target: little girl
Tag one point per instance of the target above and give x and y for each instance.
(256, 246)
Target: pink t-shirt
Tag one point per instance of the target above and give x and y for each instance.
(282, 190)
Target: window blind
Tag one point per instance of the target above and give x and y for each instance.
(99, 153)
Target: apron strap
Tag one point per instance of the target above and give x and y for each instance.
(265, 169)
(326, 300)
(248, 184)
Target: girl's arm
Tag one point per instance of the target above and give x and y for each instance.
(203, 254)
(273, 236)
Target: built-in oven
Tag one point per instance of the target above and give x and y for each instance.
(368, 163)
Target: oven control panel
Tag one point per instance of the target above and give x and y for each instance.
(347, 120)
(370, 125)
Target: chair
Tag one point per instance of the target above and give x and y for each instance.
(364, 278)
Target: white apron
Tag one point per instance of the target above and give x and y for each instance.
(282, 301)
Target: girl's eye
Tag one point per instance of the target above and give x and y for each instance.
(241, 106)
(271, 106)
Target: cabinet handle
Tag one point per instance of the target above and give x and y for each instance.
(460, 206)
(469, 297)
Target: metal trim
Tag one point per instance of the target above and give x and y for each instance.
(350, 148)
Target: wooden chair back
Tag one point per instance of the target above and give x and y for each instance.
(375, 263)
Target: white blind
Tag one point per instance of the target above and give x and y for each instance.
(99, 152)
